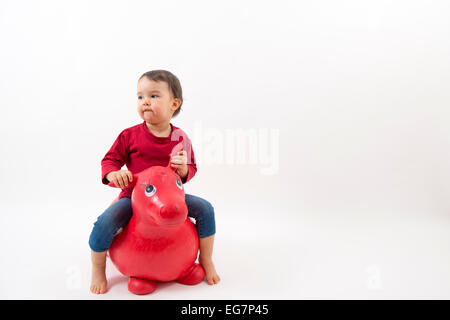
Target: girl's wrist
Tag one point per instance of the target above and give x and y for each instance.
(183, 172)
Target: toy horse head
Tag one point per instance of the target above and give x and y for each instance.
(158, 197)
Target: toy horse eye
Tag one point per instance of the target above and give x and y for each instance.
(179, 184)
(150, 190)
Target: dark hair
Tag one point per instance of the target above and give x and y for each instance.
(171, 80)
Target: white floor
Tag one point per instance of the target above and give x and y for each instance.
(45, 255)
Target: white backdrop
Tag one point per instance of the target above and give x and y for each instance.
(342, 106)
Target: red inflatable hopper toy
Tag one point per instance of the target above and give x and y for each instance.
(160, 243)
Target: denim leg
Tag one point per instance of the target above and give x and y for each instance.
(203, 213)
(108, 223)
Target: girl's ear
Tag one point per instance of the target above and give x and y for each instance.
(130, 185)
(176, 103)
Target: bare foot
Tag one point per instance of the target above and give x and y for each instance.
(211, 275)
(98, 282)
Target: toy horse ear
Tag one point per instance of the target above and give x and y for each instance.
(130, 185)
(178, 147)
(169, 165)
(175, 150)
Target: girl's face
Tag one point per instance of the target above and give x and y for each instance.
(155, 102)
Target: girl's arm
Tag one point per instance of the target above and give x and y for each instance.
(115, 158)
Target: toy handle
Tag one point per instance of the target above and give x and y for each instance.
(175, 150)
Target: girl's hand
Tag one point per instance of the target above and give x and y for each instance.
(121, 178)
(179, 161)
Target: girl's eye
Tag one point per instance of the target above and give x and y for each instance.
(179, 184)
(150, 190)
(152, 96)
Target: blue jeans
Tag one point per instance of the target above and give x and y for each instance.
(120, 212)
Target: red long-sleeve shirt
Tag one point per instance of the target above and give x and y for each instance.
(138, 148)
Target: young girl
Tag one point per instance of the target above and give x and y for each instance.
(139, 147)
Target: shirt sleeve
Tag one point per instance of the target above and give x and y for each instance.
(115, 158)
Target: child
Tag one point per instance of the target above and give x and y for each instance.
(139, 147)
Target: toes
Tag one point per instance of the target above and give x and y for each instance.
(214, 279)
(98, 289)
